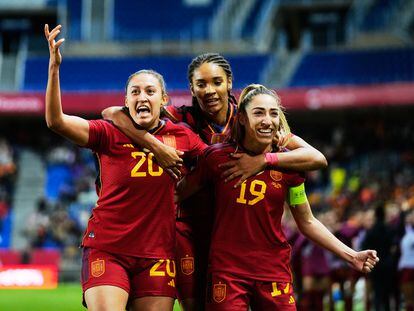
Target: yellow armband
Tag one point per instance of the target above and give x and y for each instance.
(297, 195)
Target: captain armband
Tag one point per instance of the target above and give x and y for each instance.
(297, 195)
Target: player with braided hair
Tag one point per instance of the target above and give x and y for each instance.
(211, 115)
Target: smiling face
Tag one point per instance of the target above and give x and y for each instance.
(144, 98)
(210, 86)
(260, 122)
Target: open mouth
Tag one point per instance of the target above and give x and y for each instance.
(143, 110)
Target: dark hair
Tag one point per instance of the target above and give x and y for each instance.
(214, 58)
(246, 96)
(157, 75)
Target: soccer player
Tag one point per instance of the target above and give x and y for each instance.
(211, 115)
(406, 262)
(129, 243)
(249, 261)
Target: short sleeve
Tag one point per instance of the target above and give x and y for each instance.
(294, 179)
(99, 137)
(173, 113)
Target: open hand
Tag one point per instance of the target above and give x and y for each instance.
(169, 159)
(243, 165)
(55, 56)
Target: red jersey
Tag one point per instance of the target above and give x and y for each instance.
(135, 212)
(211, 133)
(247, 237)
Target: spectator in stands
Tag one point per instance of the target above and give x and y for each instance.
(247, 221)
(315, 268)
(211, 116)
(406, 262)
(38, 225)
(128, 247)
(4, 209)
(7, 168)
(380, 237)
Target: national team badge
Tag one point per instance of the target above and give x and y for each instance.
(98, 267)
(219, 292)
(276, 175)
(217, 138)
(187, 265)
(169, 140)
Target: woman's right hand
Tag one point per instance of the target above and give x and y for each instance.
(169, 158)
(55, 56)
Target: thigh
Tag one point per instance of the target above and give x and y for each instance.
(273, 296)
(227, 292)
(153, 277)
(106, 298)
(102, 268)
(152, 304)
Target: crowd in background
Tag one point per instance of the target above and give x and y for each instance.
(369, 183)
(7, 178)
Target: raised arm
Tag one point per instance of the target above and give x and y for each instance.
(300, 157)
(71, 127)
(167, 157)
(313, 229)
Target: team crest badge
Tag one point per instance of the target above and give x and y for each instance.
(217, 138)
(169, 140)
(98, 267)
(219, 292)
(187, 265)
(276, 175)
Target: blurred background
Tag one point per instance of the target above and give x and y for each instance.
(345, 73)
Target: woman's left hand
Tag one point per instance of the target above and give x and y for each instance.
(243, 165)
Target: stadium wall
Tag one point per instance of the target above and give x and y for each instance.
(31, 104)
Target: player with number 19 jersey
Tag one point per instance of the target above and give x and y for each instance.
(135, 212)
(247, 237)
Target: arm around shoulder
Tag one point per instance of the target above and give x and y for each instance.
(301, 157)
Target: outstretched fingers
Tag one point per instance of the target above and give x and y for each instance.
(51, 35)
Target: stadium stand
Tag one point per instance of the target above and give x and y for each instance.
(355, 67)
(81, 74)
(177, 21)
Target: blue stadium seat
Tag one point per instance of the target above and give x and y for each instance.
(355, 67)
(6, 230)
(144, 20)
(110, 74)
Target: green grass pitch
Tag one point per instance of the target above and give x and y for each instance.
(67, 297)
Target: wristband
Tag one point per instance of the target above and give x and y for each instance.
(297, 195)
(271, 159)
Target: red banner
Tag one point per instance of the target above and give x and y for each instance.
(28, 277)
(300, 98)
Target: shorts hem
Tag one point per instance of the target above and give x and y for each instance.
(151, 294)
(85, 288)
